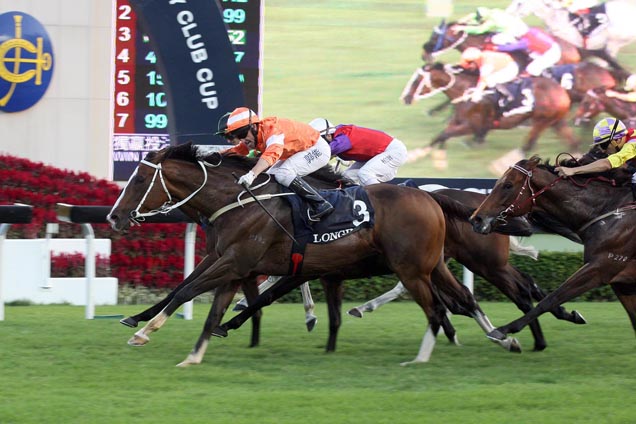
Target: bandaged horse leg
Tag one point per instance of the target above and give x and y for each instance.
(373, 304)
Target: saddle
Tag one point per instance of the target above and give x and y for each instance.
(563, 74)
(589, 20)
(514, 98)
(353, 211)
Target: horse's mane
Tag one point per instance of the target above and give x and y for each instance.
(621, 176)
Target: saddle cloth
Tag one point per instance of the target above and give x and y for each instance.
(588, 22)
(352, 212)
(563, 74)
(514, 97)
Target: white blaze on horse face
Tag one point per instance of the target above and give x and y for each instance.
(121, 196)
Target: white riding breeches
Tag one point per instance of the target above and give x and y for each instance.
(501, 76)
(544, 61)
(301, 163)
(380, 168)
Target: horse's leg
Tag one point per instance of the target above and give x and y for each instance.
(539, 294)
(459, 300)
(218, 274)
(565, 132)
(421, 291)
(281, 288)
(334, 291)
(538, 126)
(433, 111)
(134, 320)
(583, 280)
(267, 283)
(626, 293)
(374, 304)
(222, 298)
(308, 303)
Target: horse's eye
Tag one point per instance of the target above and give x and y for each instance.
(139, 179)
(507, 185)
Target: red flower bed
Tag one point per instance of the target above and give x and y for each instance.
(150, 255)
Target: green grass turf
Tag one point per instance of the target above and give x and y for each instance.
(57, 367)
(349, 61)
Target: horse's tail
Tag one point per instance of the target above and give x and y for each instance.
(519, 249)
(454, 210)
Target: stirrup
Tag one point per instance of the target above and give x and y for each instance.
(316, 217)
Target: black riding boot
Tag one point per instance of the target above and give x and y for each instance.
(319, 207)
(634, 191)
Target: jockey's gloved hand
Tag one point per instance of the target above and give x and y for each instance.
(247, 179)
(476, 96)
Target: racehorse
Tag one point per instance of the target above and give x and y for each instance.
(443, 38)
(578, 79)
(486, 256)
(596, 101)
(407, 237)
(616, 30)
(599, 210)
(551, 106)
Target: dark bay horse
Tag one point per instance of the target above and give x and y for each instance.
(407, 237)
(600, 213)
(550, 110)
(596, 101)
(443, 38)
(583, 77)
(486, 255)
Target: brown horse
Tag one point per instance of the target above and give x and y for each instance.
(551, 106)
(600, 213)
(487, 256)
(578, 79)
(407, 237)
(597, 101)
(444, 38)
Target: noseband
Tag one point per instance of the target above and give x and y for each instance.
(137, 217)
(425, 82)
(519, 203)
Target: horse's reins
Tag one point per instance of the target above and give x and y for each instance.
(528, 173)
(443, 36)
(136, 217)
(426, 82)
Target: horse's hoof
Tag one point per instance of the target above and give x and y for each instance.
(355, 312)
(187, 362)
(539, 347)
(129, 322)
(496, 335)
(578, 318)
(311, 323)
(514, 346)
(138, 339)
(219, 332)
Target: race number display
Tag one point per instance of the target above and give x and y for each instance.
(178, 67)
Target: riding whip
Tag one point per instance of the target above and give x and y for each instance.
(247, 189)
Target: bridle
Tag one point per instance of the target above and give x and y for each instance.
(519, 203)
(442, 35)
(136, 217)
(425, 82)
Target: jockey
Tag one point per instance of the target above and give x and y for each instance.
(541, 48)
(615, 139)
(629, 95)
(288, 150)
(492, 20)
(377, 155)
(494, 68)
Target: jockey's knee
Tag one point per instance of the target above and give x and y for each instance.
(284, 176)
(367, 177)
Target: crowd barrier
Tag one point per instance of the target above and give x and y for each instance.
(87, 215)
(10, 214)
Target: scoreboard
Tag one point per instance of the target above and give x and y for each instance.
(172, 87)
